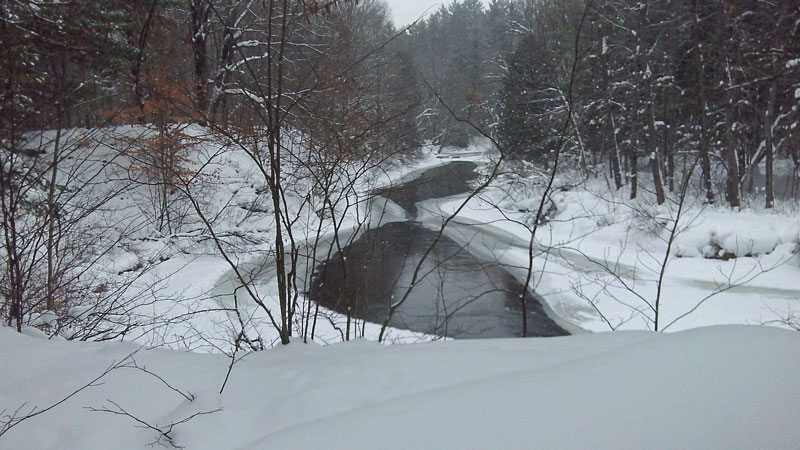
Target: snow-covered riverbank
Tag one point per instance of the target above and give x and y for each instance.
(599, 255)
(713, 387)
(598, 259)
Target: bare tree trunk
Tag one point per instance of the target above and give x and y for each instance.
(732, 163)
(275, 96)
(705, 160)
(770, 146)
(59, 70)
(795, 173)
(656, 305)
(657, 183)
(52, 218)
(200, 12)
(633, 172)
(705, 138)
(223, 72)
(670, 157)
(655, 160)
(614, 153)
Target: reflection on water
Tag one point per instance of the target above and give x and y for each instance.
(438, 182)
(457, 295)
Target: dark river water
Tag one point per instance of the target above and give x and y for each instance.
(459, 296)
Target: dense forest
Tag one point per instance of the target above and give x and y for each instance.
(612, 88)
(652, 80)
(212, 193)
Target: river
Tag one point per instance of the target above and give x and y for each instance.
(459, 295)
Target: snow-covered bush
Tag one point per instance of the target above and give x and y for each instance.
(730, 234)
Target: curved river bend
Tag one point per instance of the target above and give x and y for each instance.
(458, 296)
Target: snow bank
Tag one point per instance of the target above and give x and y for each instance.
(118, 261)
(731, 387)
(736, 234)
(598, 259)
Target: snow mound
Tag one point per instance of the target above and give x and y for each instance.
(734, 235)
(119, 261)
(732, 387)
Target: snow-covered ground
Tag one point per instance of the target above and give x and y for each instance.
(599, 257)
(731, 387)
(173, 282)
(596, 265)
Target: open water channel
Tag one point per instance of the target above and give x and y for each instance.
(459, 295)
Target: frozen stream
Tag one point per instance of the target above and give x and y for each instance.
(461, 295)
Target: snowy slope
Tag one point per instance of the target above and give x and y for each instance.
(732, 387)
(601, 248)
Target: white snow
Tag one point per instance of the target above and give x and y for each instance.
(597, 261)
(119, 260)
(732, 387)
(722, 387)
(740, 234)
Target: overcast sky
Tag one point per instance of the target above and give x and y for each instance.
(406, 11)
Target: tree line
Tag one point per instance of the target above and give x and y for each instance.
(657, 81)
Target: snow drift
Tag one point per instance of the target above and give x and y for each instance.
(731, 387)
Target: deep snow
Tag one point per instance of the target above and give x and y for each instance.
(599, 249)
(732, 387)
(719, 387)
